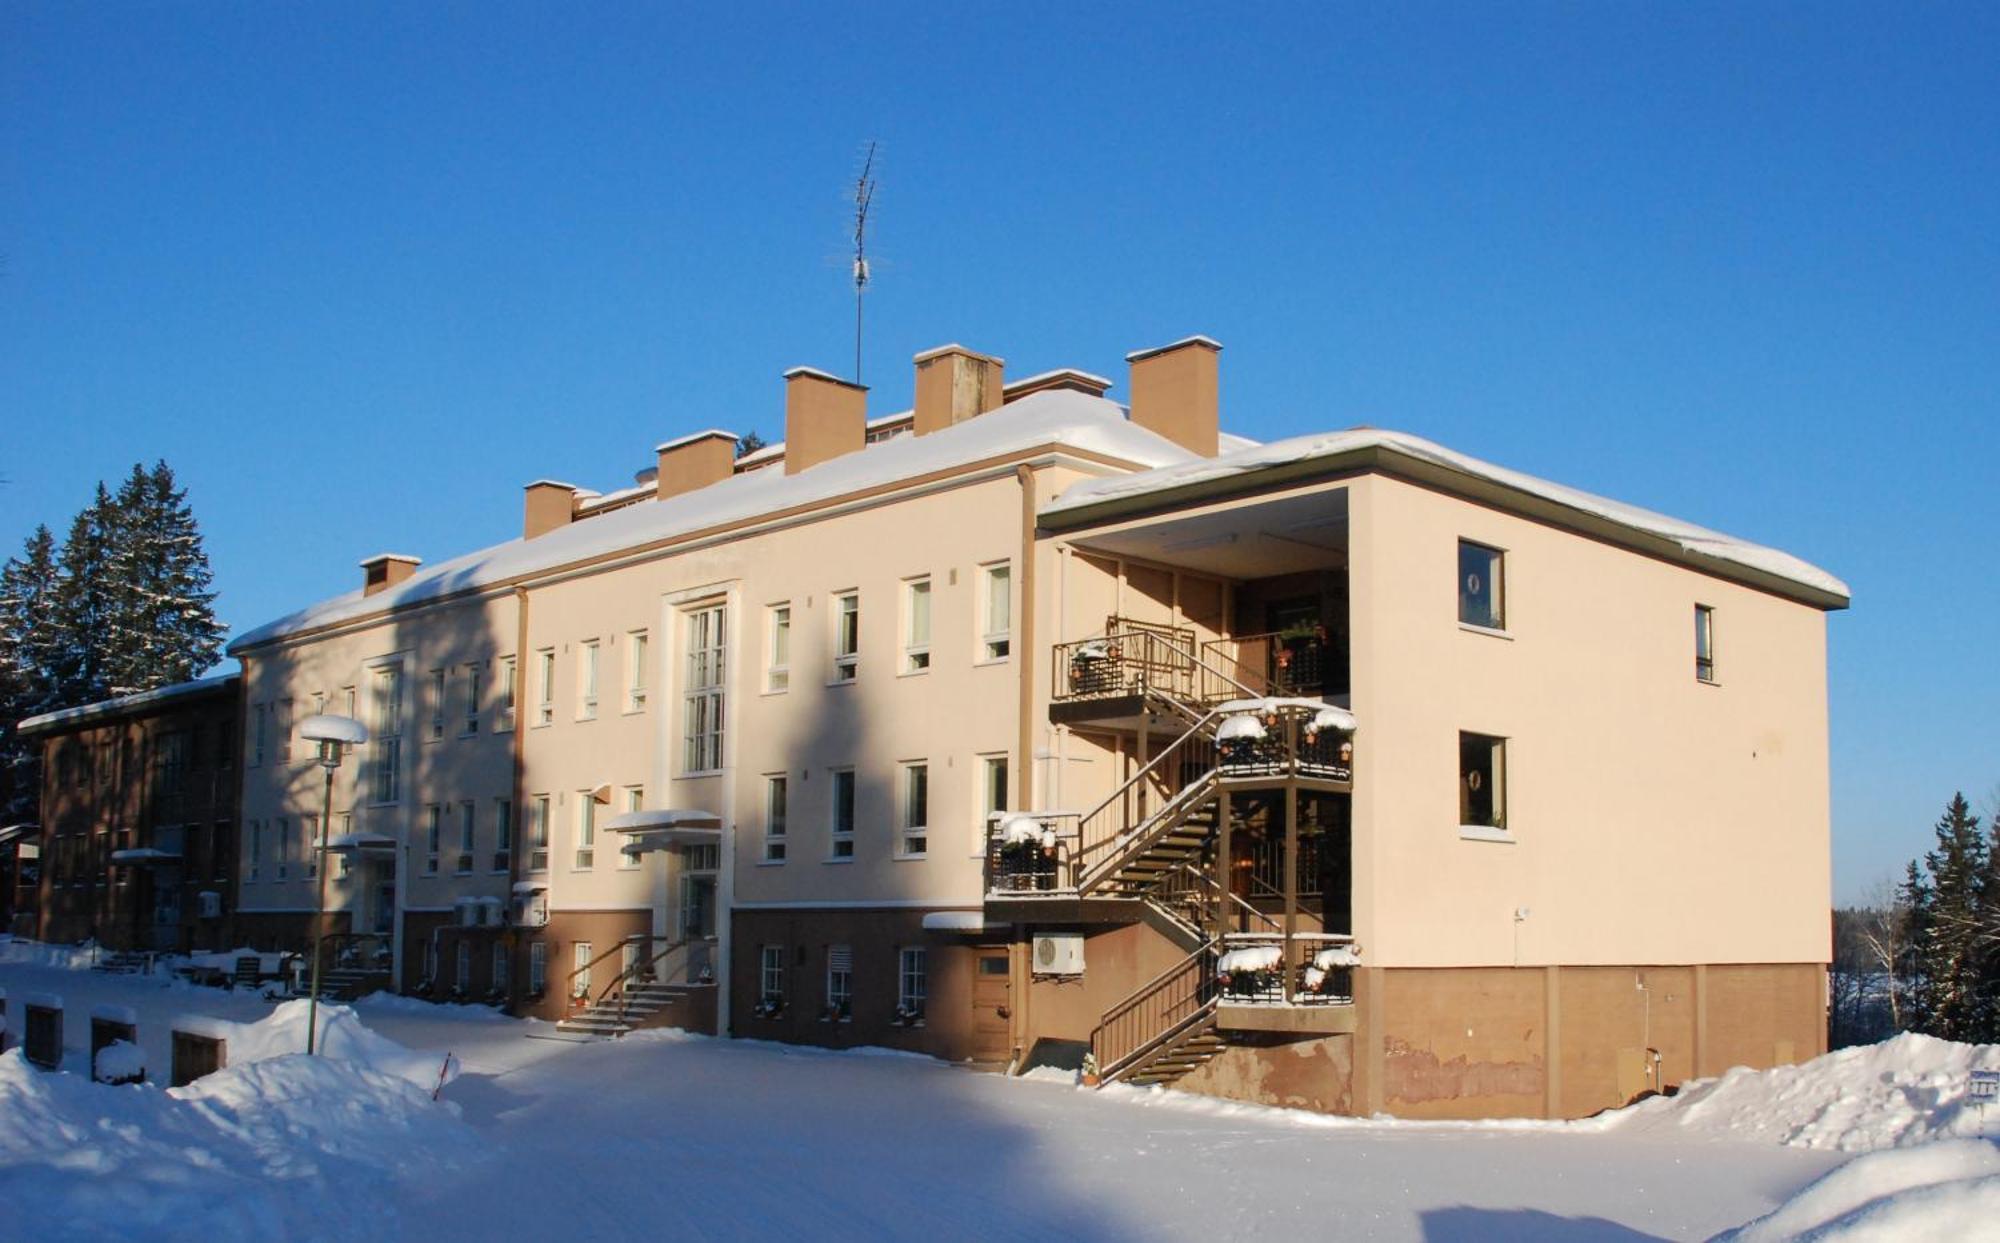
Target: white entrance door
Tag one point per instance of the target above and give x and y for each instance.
(580, 984)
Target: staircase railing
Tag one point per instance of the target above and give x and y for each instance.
(1193, 877)
(1137, 658)
(641, 972)
(1183, 772)
(583, 973)
(1179, 999)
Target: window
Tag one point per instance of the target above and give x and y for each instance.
(635, 800)
(846, 636)
(388, 735)
(910, 983)
(775, 795)
(1480, 599)
(468, 813)
(840, 982)
(433, 830)
(701, 716)
(580, 959)
(464, 972)
(472, 700)
(586, 680)
(503, 834)
(1482, 781)
(843, 813)
(538, 967)
(284, 731)
(771, 976)
(219, 857)
(256, 850)
(992, 797)
(538, 833)
(309, 832)
(1704, 642)
(281, 830)
(545, 686)
(347, 710)
(437, 694)
(635, 672)
(916, 625)
(509, 690)
(259, 733)
(500, 965)
(586, 831)
(778, 648)
(915, 813)
(996, 611)
(346, 856)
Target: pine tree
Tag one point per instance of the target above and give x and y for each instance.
(1915, 898)
(27, 686)
(1949, 951)
(82, 606)
(160, 622)
(746, 445)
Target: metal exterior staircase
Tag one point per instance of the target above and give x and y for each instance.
(630, 1010)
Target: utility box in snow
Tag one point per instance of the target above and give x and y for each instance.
(198, 1050)
(1059, 953)
(42, 1031)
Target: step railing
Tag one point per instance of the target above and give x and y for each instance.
(650, 971)
(1178, 1000)
(1171, 786)
(1139, 658)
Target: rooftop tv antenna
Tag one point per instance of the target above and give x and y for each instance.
(864, 194)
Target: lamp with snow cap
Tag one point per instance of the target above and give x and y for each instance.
(333, 734)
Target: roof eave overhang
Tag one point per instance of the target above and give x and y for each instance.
(1386, 460)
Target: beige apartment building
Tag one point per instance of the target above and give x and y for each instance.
(1028, 726)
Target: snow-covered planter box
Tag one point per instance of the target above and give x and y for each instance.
(1093, 667)
(1251, 973)
(908, 1016)
(1243, 742)
(200, 1047)
(114, 1045)
(1329, 977)
(42, 1030)
(1027, 855)
(769, 1006)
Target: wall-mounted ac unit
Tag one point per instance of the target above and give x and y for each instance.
(468, 912)
(535, 910)
(1059, 953)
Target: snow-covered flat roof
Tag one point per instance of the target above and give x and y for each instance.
(1240, 469)
(125, 703)
(1062, 418)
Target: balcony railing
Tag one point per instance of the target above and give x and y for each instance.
(1268, 969)
(1133, 657)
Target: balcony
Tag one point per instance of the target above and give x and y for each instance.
(1268, 982)
(1112, 675)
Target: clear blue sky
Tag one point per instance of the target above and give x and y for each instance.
(359, 271)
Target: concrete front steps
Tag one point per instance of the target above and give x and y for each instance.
(644, 1005)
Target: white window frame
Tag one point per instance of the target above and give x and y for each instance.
(540, 808)
(284, 715)
(635, 800)
(777, 813)
(771, 973)
(473, 674)
(510, 694)
(589, 666)
(705, 671)
(912, 982)
(433, 836)
(385, 740)
(439, 683)
(463, 967)
(778, 648)
(983, 796)
(996, 643)
(840, 842)
(913, 809)
(840, 983)
(1704, 644)
(501, 968)
(308, 828)
(918, 624)
(846, 646)
(468, 837)
(538, 967)
(545, 685)
(503, 835)
(584, 857)
(638, 644)
(1501, 830)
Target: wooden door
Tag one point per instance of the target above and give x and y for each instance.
(992, 1006)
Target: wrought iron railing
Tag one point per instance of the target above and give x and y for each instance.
(1268, 968)
(1180, 998)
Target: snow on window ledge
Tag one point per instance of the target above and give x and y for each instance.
(1484, 833)
(1491, 632)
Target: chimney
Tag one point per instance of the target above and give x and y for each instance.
(384, 570)
(549, 505)
(953, 385)
(1174, 393)
(694, 462)
(825, 417)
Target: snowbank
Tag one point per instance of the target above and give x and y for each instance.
(275, 1149)
(40, 954)
(1949, 1189)
(1904, 1091)
(341, 1035)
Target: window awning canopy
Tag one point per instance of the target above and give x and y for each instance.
(958, 921)
(143, 856)
(13, 831)
(360, 843)
(665, 827)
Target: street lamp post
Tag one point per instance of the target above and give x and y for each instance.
(331, 733)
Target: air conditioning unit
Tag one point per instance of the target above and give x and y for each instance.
(1059, 953)
(468, 912)
(535, 910)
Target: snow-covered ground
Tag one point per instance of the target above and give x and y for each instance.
(665, 1135)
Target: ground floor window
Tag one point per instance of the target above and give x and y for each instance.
(770, 980)
(538, 967)
(500, 966)
(464, 966)
(839, 983)
(910, 984)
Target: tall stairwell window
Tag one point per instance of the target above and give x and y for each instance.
(846, 636)
(538, 833)
(913, 836)
(387, 737)
(702, 691)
